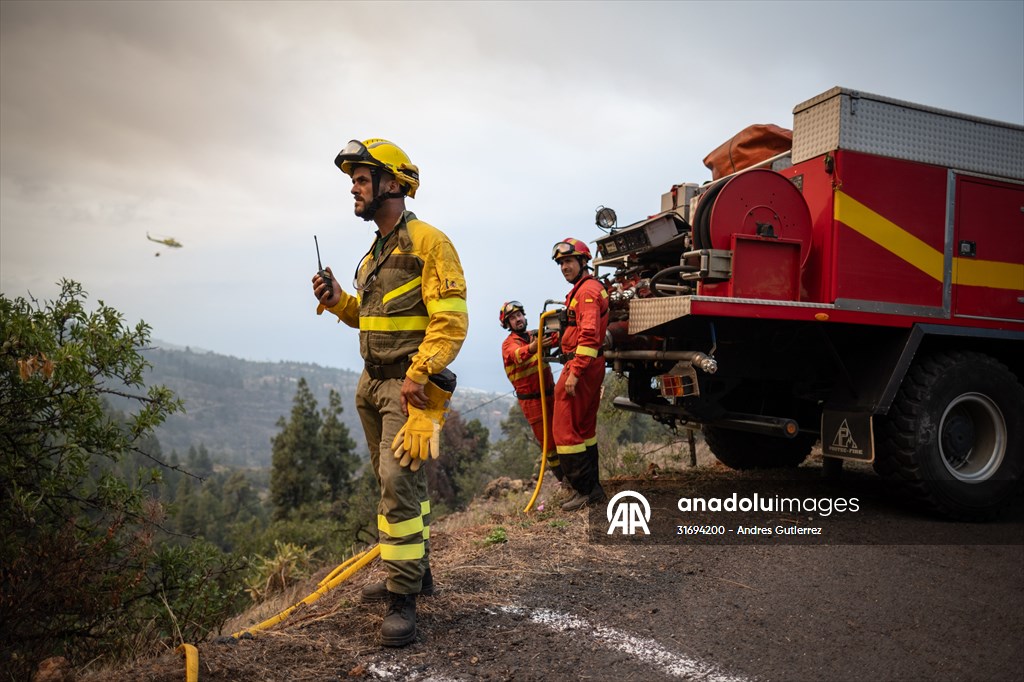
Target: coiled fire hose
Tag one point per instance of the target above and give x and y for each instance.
(340, 574)
(543, 408)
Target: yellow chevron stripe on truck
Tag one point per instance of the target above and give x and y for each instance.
(896, 240)
(988, 273)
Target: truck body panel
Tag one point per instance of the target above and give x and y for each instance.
(878, 266)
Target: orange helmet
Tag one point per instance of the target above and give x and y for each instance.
(506, 311)
(569, 247)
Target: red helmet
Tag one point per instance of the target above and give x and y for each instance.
(570, 247)
(506, 311)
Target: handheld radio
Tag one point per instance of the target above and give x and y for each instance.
(328, 280)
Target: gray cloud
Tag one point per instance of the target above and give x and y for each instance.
(218, 122)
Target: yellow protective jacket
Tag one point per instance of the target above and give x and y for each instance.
(411, 300)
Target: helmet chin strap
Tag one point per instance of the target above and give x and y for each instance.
(378, 199)
(583, 270)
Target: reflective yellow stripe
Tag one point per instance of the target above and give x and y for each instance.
(450, 305)
(532, 369)
(584, 350)
(393, 324)
(893, 238)
(888, 235)
(570, 449)
(394, 293)
(988, 273)
(400, 529)
(590, 441)
(402, 552)
(424, 511)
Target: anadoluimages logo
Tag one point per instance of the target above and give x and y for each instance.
(628, 515)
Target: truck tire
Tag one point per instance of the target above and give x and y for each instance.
(954, 436)
(744, 450)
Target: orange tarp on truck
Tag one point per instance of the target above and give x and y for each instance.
(748, 147)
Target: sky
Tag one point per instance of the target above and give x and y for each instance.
(217, 124)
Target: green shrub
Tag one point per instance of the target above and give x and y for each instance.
(82, 571)
(288, 565)
(496, 536)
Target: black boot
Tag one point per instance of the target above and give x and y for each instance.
(557, 471)
(399, 626)
(595, 497)
(590, 475)
(575, 502)
(579, 500)
(379, 591)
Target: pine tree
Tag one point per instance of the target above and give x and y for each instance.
(239, 497)
(337, 457)
(203, 464)
(186, 508)
(518, 452)
(295, 455)
(460, 471)
(209, 510)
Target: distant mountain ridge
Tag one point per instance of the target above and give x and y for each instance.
(232, 405)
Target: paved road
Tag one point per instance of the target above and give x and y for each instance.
(549, 604)
(752, 611)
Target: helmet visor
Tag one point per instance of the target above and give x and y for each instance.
(355, 152)
(511, 307)
(561, 250)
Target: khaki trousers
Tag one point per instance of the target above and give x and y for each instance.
(403, 513)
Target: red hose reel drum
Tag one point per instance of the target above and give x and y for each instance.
(758, 202)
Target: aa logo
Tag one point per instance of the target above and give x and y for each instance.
(628, 515)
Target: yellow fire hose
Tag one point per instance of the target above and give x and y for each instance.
(336, 577)
(543, 407)
(340, 567)
(191, 661)
(340, 575)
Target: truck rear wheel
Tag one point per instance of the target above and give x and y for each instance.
(745, 450)
(955, 434)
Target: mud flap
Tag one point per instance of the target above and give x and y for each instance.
(847, 435)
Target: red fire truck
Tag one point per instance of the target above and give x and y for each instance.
(864, 288)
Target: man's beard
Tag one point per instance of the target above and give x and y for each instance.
(368, 211)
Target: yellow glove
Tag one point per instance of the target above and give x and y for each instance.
(420, 436)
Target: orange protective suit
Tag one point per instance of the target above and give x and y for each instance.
(521, 369)
(575, 417)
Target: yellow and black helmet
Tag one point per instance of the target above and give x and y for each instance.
(383, 154)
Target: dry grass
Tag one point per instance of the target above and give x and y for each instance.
(331, 637)
(339, 630)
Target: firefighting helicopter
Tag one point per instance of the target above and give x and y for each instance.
(166, 241)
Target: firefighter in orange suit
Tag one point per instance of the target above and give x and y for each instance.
(519, 351)
(410, 309)
(578, 391)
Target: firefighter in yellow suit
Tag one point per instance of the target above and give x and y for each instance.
(410, 309)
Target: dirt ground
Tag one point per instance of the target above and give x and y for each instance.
(551, 603)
